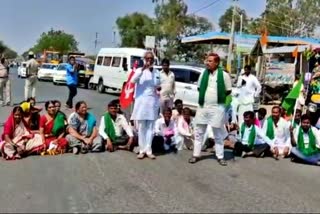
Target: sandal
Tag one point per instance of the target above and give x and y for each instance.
(222, 162)
(193, 160)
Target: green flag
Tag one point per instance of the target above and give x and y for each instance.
(290, 100)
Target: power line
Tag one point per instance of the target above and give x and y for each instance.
(205, 7)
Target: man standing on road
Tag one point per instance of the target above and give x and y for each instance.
(168, 88)
(214, 87)
(72, 80)
(249, 88)
(31, 81)
(5, 87)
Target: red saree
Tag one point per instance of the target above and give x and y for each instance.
(47, 125)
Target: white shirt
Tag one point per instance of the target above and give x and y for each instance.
(146, 105)
(161, 127)
(281, 133)
(250, 90)
(259, 139)
(211, 97)
(184, 129)
(316, 133)
(120, 125)
(168, 89)
(175, 115)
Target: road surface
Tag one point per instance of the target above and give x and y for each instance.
(118, 182)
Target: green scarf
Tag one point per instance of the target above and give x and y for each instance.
(252, 135)
(312, 149)
(220, 83)
(58, 125)
(270, 131)
(109, 128)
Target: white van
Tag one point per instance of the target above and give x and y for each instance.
(113, 66)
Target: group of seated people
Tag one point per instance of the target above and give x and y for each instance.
(26, 132)
(277, 136)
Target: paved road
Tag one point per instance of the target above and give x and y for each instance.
(119, 182)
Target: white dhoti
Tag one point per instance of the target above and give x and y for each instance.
(145, 129)
(214, 117)
(242, 108)
(182, 141)
(281, 148)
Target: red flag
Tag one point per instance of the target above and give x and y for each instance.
(127, 92)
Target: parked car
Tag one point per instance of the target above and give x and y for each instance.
(60, 73)
(187, 78)
(46, 71)
(22, 70)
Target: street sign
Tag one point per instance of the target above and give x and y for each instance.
(150, 41)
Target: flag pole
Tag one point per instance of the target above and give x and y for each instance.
(294, 111)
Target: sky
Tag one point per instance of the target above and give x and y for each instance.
(23, 21)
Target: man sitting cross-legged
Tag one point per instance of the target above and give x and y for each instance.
(277, 129)
(305, 140)
(115, 130)
(252, 140)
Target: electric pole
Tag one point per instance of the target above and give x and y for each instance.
(239, 52)
(231, 40)
(96, 41)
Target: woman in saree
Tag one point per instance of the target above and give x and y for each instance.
(17, 139)
(31, 114)
(52, 130)
(82, 130)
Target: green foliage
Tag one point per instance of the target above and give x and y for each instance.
(56, 40)
(171, 24)
(133, 29)
(288, 18)
(226, 20)
(7, 52)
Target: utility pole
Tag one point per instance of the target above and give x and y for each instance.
(114, 36)
(231, 40)
(96, 41)
(239, 53)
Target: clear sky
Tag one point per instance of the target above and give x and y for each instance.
(22, 21)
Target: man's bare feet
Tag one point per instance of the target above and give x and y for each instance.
(140, 156)
(151, 156)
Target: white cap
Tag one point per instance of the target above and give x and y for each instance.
(31, 53)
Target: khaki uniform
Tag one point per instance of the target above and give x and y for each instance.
(5, 85)
(31, 81)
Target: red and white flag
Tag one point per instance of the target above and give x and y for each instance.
(127, 92)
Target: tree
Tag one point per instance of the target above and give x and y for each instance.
(7, 52)
(288, 18)
(174, 24)
(2, 47)
(133, 29)
(56, 40)
(171, 24)
(10, 54)
(226, 20)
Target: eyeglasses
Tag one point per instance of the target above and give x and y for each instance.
(149, 58)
